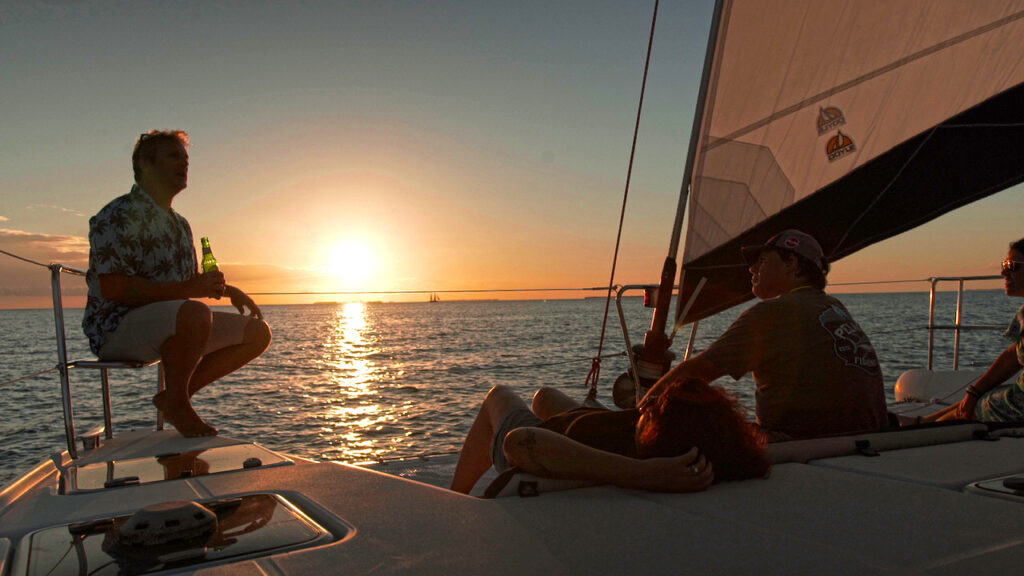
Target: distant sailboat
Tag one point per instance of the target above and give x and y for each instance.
(434, 297)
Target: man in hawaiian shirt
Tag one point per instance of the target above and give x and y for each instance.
(143, 276)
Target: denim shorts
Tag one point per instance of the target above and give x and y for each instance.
(516, 418)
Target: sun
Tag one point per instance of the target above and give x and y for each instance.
(351, 261)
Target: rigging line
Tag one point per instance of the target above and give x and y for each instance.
(542, 365)
(899, 330)
(865, 77)
(71, 546)
(888, 186)
(356, 292)
(892, 182)
(869, 282)
(15, 381)
(467, 291)
(414, 371)
(421, 456)
(23, 259)
(986, 125)
(595, 370)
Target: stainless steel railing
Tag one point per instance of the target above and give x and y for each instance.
(957, 326)
(65, 366)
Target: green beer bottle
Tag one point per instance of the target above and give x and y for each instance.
(209, 262)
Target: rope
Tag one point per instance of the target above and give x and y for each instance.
(899, 330)
(424, 456)
(16, 380)
(595, 367)
(490, 290)
(360, 292)
(257, 362)
(472, 291)
(23, 259)
(870, 282)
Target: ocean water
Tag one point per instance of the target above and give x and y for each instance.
(375, 381)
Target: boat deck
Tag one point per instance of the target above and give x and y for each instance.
(916, 510)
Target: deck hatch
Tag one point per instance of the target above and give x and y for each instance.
(248, 526)
(135, 471)
(1009, 488)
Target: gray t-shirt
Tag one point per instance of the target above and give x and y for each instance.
(816, 371)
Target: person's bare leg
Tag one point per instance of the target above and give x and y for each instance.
(475, 457)
(220, 363)
(548, 402)
(548, 454)
(180, 354)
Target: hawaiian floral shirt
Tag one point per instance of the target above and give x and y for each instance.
(133, 236)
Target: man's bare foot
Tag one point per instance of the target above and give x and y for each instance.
(183, 417)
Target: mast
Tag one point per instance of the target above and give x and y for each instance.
(656, 341)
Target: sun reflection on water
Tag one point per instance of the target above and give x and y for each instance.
(355, 413)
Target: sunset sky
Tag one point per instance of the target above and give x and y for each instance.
(384, 146)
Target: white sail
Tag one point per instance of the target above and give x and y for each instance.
(874, 107)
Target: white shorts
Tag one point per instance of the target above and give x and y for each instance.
(143, 331)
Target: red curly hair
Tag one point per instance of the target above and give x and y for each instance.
(691, 413)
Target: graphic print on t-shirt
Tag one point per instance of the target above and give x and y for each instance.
(851, 344)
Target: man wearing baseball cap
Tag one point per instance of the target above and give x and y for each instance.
(815, 369)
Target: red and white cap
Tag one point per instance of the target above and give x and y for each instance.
(791, 241)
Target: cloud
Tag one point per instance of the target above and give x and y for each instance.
(23, 284)
(38, 244)
(55, 207)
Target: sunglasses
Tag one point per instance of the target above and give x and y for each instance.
(1012, 265)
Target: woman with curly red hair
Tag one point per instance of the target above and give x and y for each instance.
(692, 412)
(689, 436)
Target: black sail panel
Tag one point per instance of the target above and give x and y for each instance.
(966, 158)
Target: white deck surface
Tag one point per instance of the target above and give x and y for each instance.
(902, 512)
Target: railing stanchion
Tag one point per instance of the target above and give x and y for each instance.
(62, 360)
(692, 341)
(160, 385)
(956, 332)
(108, 421)
(619, 291)
(931, 321)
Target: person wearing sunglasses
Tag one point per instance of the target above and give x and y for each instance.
(984, 400)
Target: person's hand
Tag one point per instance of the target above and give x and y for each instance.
(966, 408)
(690, 472)
(241, 300)
(209, 284)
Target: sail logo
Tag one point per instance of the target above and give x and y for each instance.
(838, 146)
(829, 118)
